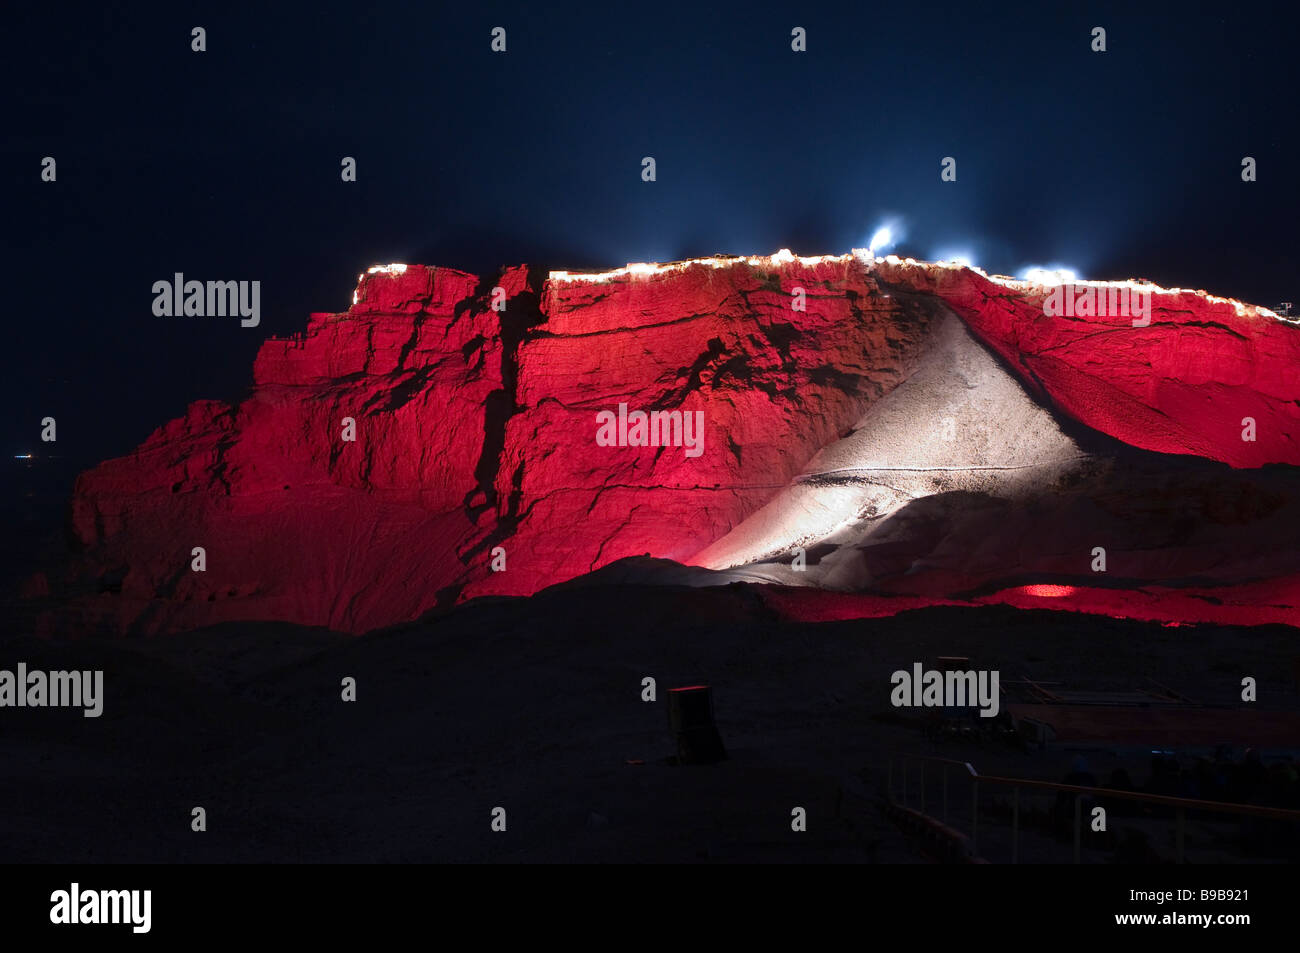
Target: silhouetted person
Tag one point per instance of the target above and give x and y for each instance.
(1251, 777)
(1164, 775)
(1281, 785)
(1063, 811)
(1119, 780)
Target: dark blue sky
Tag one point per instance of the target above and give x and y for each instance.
(225, 164)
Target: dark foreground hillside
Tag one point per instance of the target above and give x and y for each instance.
(535, 705)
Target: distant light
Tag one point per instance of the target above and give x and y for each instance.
(22, 456)
(884, 238)
(1050, 276)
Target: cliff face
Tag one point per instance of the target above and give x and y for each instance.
(1182, 383)
(297, 522)
(480, 438)
(770, 385)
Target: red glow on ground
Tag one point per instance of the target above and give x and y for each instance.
(1268, 602)
(1048, 591)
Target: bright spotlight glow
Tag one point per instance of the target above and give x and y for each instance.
(883, 239)
(1050, 276)
(960, 257)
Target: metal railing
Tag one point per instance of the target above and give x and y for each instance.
(1181, 805)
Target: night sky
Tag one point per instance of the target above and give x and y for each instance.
(226, 164)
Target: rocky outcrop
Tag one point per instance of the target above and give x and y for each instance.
(770, 385)
(1184, 382)
(481, 465)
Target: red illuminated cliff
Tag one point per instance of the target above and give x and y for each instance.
(474, 408)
